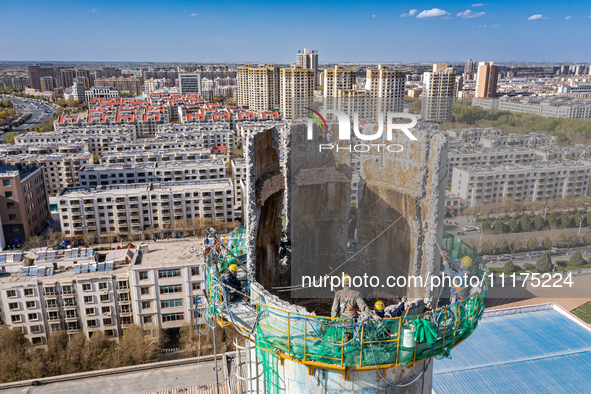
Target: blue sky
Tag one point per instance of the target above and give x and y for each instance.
(264, 31)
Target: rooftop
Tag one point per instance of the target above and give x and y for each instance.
(535, 349)
(124, 189)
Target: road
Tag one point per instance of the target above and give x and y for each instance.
(40, 112)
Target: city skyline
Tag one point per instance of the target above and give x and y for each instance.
(182, 31)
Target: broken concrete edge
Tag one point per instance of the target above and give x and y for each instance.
(253, 213)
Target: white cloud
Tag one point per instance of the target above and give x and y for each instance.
(569, 17)
(193, 14)
(478, 5)
(410, 13)
(93, 10)
(496, 26)
(536, 17)
(373, 16)
(469, 14)
(481, 25)
(433, 13)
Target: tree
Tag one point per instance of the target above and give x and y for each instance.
(499, 227)
(552, 221)
(532, 243)
(587, 239)
(471, 243)
(562, 241)
(515, 245)
(52, 237)
(13, 346)
(9, 137)
(588, 217)
(539, 222)
(572, 240)
(514, 225)
(544, 263)
(487, 247)
(526, 223)
(138, 345)
(577, 258)
(190, 339)
(547, 243)
(565, 220)
(509, 266)
(33, 243)
(502, 246)
(416, 106)
(529, 266)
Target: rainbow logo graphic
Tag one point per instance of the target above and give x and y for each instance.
(316, 115)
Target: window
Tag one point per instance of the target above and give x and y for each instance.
(143, 275)
(88, 299)
(91, 323)
(106, 309)
(126, 320)
(8, 194)
(13, 306)
(147, 319)
(28, 292)
(103, 286)
(172, 273)
(171, 289)
(108, 321)
(51, 303)
(10, 205)
(90, 311)
(146, 304)
(10, 293)
(109, 333)
(196, 285)
(173, 317)
(30, 304)
(15, 318)
(71, 314)
(86, 287)
(12, 216)
(5, 182)
(144, 290)
(33, 316)
(171, 303)
(104, 297)
(54, 316)
(194, 271)
(37, 340)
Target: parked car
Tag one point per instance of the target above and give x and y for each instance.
(555, 250)
(504, 257)
(469, 228)
(533, 254)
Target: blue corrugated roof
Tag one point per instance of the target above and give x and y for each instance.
(524, 350)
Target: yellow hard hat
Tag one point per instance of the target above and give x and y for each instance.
(234, 267)
(346, 278)
(467, 261)
(379, 306)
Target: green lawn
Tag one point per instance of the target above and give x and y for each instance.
(567, 265)
(584, 312)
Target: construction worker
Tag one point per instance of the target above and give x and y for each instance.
(348, 302)
(380, 309)
(462, 270)
(231, 283)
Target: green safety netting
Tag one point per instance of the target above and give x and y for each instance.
(396, 341)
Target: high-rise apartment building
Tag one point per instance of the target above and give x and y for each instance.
(68, 77)
(36, 71)
(470, 67)
(258, 87)
(386, 89)
(338, 79)
(47, 84)
(439, 90)
(23, 202)
(486, 81)
(296, 91)
(132, 85)
(309, 60)
(85, 74)
(189, 83)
